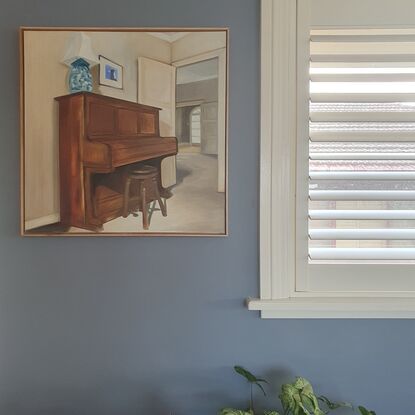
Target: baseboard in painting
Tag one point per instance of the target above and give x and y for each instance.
(42, 221)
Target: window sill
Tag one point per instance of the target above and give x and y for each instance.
(334, 307)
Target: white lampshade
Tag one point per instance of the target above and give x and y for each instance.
(80, 47)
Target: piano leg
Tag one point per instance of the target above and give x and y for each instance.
(126, 197)
(161, 203)
(144, 207)
(92, 221)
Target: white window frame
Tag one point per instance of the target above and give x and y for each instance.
(279, 120)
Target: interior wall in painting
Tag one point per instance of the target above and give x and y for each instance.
(46, 79)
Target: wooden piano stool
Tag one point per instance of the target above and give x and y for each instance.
(147, 178)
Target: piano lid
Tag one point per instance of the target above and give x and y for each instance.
(115, 101)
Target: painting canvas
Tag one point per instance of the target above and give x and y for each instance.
(124, 131)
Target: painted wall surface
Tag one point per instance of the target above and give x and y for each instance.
(126, 326)
(206, 91)
(193, 44)
(47, 79)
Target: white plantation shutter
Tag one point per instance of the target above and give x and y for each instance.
(362, 146)
(337, 194)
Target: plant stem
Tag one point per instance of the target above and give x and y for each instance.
(251, 403)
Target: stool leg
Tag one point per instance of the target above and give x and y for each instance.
(126, 197)
(161, 204)
(144, 207)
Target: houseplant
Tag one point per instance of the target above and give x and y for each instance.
(297, 398)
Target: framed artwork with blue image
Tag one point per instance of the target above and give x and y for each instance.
(110, 73)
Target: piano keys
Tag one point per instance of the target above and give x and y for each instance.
(100, 139)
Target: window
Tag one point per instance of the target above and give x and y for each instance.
(362, 146)
(337, 167)
(361, 162)
(195, 126)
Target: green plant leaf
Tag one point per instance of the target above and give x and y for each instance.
(245, 373)
(232, 411)
(303, 384)
(334, 405)
(365, 411)
(251, 378)
(298, 398)
(307, 396)
(271, 413)
(263, 381)
(260, 387)
(287, 397)
(303, 408)
(307, 403)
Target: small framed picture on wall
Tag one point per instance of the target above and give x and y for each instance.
(110, 73)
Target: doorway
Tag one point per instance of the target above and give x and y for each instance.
(201, 82)
(197, 107)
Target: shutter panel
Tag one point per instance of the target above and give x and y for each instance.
(362, 145)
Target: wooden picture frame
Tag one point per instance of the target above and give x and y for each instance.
(60, 137)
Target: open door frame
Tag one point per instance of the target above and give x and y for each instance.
(157, 87)
(222, 56)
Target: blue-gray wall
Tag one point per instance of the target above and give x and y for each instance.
(127, 326)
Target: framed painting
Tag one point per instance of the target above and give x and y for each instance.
(124, 131)
(110, 73)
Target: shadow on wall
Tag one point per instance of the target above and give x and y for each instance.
(184, 392)
(225, 390)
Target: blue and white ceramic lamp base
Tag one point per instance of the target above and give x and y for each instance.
(80, 78)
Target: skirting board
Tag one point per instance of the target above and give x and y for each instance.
(42, 221)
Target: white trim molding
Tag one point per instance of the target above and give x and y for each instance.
(335, 307)
(282, 291)
(278, 137)
(42, 221)
(168, 36)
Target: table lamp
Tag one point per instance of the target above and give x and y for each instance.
(80, 57)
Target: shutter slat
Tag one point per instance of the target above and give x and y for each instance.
(363, 32)
(362, 77)
(377, 66)
(322, 51)
(333, 116)
(361, 50)
(365, 112)
(362, 87)
(362, 156)
(362, 253)
(337, 38)
(321, 135)
(362, 175)
(362, 234)
(362, 131)
(363, 57)
(362, 97)
(362, 195)
(326, 214)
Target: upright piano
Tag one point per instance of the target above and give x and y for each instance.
(100, 139)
